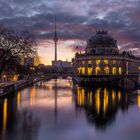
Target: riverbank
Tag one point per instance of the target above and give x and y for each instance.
(12, 86)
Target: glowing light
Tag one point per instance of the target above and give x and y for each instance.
(106, 70)
(114, 71)
(97, 101)
(105, 100)
(106, 61)
(119, 95)
(83, 70)
(15, 77)
(89, 71)
(98, 62)
(89, 61)
(113, 97)
(18, 100)
(83, 96)
(4, 115)
(138, 100)
(79, 70)
(120, 71)
(4, 76)
(78, 96)
(97, 70)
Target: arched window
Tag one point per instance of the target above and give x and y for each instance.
(83, 70)
(114, 71)
(79, 70)
(89, 71)
(120, 71)
(106, 70)
(97, 70)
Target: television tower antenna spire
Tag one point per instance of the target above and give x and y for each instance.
(55, 41)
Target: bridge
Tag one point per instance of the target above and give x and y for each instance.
(60, 75)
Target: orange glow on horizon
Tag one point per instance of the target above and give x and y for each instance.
(46, 50)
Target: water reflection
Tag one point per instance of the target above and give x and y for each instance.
(18, 100)
(102, 103)
(55, 102)
(4, 115)
(139, 100)
(32, 96)
(52, 107)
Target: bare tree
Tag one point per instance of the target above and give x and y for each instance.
(14, 47)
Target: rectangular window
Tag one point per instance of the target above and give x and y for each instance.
(106, 61)
(89, 61)
(83, 62)
(114, 61)
(98, 62)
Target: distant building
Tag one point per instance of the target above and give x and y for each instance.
(102, 59)
(62, 66)
(59, 65)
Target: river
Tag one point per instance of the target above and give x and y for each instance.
(58, 110)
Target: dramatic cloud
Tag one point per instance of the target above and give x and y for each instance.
(77, 20)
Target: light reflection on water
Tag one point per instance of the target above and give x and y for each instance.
(54, 110)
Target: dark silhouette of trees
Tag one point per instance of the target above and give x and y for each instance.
(14, 47)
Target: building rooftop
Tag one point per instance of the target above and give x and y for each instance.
(101, 39)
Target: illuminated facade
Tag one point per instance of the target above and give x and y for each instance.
(102, 58)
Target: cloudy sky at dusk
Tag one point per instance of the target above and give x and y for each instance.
(77, 20)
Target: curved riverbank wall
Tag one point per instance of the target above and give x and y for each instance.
(9, 87)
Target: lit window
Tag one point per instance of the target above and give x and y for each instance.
(120, 70)
(114, 71)
(83, 62)
(106, 70)
(89, 71)
(114, 61)
(97, 70)
(83, 70)
(106, 61)
(98, 62)
(89, 61)
(79, 70)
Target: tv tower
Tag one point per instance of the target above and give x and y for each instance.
(55, 41)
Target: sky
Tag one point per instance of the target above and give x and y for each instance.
(77, 20)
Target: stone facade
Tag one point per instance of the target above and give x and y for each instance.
(102, 57)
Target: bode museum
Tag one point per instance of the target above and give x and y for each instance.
(103, 62)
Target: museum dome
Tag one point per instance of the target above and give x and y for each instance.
(101, 40)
